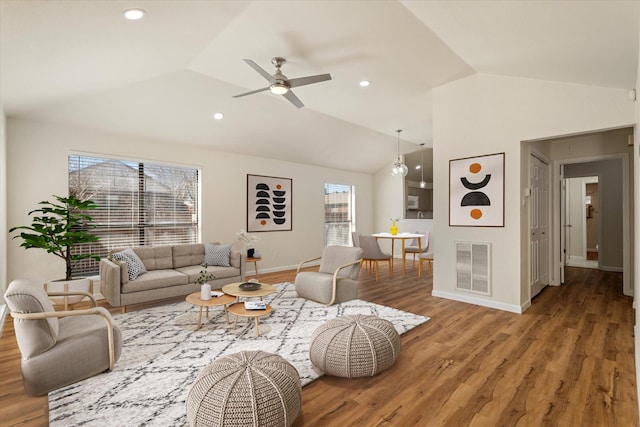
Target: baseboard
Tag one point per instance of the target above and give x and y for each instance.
(482, 302)
(3, 314)
(284, 268)
(616, 269)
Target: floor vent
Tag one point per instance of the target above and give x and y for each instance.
(472, 267)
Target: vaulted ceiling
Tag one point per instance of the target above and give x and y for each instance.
(80, 63)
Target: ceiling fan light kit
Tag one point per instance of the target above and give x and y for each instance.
(281, 84)
(399, 168)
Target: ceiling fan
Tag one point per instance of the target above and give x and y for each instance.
(280, 84)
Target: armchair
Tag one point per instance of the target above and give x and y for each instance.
(59, 347)
(337, 278)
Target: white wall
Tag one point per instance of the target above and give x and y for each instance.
(37, 168)
(485, 114)
(3, 216)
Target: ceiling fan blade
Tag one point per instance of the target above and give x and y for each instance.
(292, 98)
(260, 70)
(252, 92)
(301, 81)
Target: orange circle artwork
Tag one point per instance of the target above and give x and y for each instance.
(475, 213)
(278, 186)
(263, 222)
(475, 168)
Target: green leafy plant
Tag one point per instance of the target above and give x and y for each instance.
(58, 227)
(204, 277)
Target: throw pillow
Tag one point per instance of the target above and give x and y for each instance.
(217, 255)
(135, 266)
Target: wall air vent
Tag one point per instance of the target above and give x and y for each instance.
(473, 261)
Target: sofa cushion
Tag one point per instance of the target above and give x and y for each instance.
(135, 266)
(155, 257)
(217, 255)
(155, 279)
(188, 254)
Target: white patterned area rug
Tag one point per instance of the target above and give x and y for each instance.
(163, 353)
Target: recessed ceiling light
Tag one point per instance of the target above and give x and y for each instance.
(365, 83)
(218, 116)
(134, 14)
(418, 167)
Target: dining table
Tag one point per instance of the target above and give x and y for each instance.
(402, 237)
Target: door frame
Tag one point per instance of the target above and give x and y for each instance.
(557, 272)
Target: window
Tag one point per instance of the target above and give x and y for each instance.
(139, 204)
(339, 214)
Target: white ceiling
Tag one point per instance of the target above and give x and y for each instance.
(79, 62)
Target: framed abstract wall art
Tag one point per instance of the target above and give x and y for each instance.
(268, 203)
(476, 191)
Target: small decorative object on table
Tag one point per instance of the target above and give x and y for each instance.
(250, 286)
(248, 241)
(394, 228)
(205, 288)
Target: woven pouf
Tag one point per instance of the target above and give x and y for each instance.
(250, 388)
(354, 346)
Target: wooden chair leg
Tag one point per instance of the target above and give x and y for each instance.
(376, 268)
(419, 267)
(390, 271)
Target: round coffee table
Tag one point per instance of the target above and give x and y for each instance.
(240, 311)
(223, 300)
(234, 289)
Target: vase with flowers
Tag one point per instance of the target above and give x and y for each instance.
(394, 227)
(203, 278)
(247, 240)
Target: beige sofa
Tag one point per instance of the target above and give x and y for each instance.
(171, 271)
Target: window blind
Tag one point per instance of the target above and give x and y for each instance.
(339, 214)
(139, 204)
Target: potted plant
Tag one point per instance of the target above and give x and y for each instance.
(205, 288)
(56, 228)
(247, 240)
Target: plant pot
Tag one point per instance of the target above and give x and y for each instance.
(82, 284)
(250, 252)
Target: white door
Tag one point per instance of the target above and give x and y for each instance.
(539, 217)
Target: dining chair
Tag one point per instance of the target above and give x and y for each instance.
(414, 249)
(372, 253)
(428, 257)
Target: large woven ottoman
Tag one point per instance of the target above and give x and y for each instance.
(354, 346)
(250, 388)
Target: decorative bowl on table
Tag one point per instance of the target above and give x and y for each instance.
(250, 286)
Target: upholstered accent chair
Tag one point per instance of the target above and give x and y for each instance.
(337, 278)
(372, 254)
(59, 347)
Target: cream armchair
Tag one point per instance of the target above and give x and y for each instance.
(59, 347)
(337, 278)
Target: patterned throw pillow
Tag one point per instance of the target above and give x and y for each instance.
(217, 254)
(135, 266)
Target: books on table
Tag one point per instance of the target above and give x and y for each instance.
(255, 305)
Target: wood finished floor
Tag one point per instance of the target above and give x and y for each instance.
(567, 361)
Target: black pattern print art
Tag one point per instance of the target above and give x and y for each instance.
(268, 203)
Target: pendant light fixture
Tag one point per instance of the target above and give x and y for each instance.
(399, 168)
(423, 184)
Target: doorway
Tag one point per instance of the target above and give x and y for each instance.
(582, 215)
